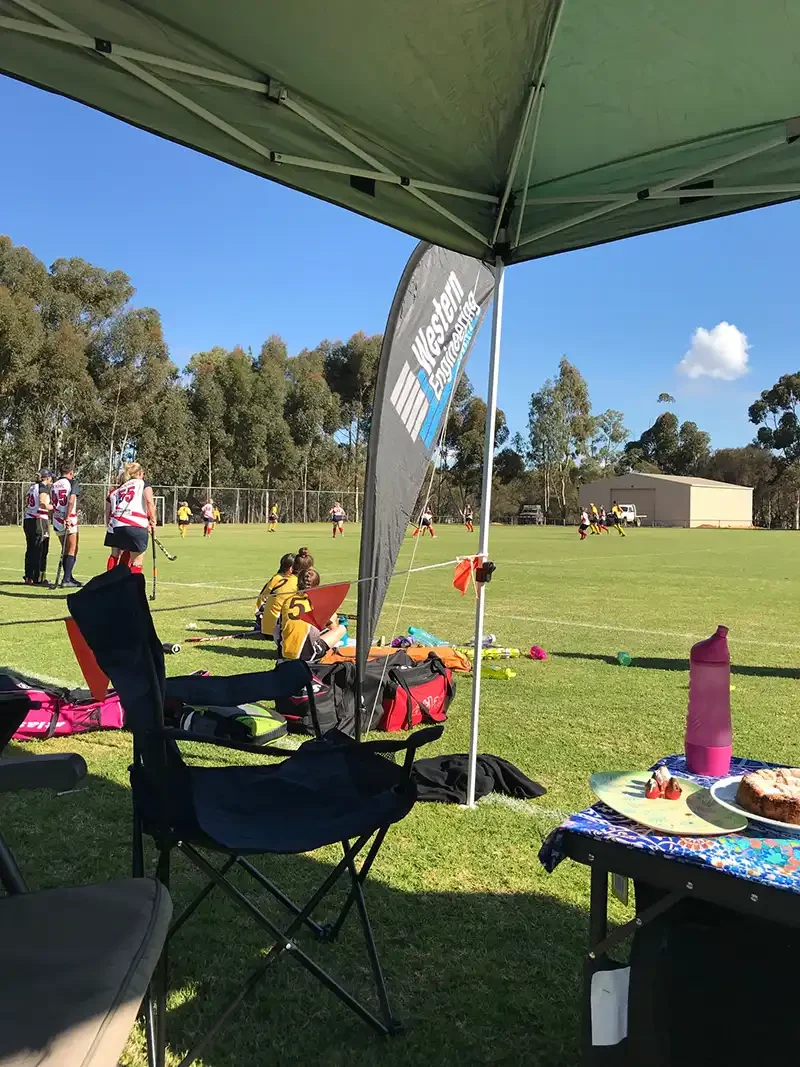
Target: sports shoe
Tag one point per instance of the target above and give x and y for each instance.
(71, 583)
(28, 581)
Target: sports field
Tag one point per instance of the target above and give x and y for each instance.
(481, 947)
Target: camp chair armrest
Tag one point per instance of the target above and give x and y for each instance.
(171, 734)
(58, 771)
(409, 744)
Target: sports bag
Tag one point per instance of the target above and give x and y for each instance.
(248, 724)
(416, 694)
(333, 685)
(55, 712)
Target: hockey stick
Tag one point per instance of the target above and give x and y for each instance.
(62, 557)
(155, 567)
(169, 555)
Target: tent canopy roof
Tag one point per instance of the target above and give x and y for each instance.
(526, 126)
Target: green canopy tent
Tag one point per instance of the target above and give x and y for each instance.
(505, 129)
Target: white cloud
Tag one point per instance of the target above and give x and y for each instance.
(721, 353)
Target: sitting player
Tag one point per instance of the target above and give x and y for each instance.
(295, 637)
(184, 517)
(268, 606)
(302, 560)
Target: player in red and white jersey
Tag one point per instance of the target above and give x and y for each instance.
(130, 515)
(65, 520)
(36, 526)
(209, 518)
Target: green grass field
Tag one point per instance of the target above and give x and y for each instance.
(482, 948)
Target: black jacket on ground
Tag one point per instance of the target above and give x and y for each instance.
(444, 779)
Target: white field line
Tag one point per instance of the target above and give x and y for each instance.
(542, 619)
(546, 621)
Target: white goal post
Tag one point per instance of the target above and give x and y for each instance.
(159, 503)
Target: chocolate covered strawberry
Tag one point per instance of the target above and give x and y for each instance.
(651, 789)
(673, 790)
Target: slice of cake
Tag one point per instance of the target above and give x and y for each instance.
(773, 793)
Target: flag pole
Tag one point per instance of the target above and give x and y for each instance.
(486, 506)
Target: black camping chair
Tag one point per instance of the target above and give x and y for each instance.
(76, 960)
(329, 791)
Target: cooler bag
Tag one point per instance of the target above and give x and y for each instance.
(417, 694)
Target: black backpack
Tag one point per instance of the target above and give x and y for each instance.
(334, 698)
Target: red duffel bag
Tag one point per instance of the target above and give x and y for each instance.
(416, 694)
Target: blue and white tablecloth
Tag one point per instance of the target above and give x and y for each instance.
(759, 854)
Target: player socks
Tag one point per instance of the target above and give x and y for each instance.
(134, 569)
(69, 563)
(111, 562)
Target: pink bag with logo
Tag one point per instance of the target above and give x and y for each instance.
(57, 712)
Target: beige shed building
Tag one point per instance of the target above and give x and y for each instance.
(669, 500)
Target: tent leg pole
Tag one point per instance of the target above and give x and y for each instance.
(486, 508)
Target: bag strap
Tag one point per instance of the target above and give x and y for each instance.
(446, 673)
(397, 678)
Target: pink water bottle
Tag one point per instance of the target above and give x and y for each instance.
(708, 726)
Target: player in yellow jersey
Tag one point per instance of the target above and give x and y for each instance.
(272, 521)
(617, 519)
(298, 639)
(184, 517)
(280, 586)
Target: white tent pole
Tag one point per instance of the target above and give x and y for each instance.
(486, 508)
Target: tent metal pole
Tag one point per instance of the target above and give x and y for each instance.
(486, 508)
(661, 187)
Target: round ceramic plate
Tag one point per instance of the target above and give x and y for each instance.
(724, 792)
(695, 812)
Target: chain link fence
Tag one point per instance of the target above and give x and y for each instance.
(236, 504)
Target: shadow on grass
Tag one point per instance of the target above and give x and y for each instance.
(477, 977)
(265, 651)
(43, 594)
(658, 663)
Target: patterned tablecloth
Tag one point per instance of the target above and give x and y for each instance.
(761, 854)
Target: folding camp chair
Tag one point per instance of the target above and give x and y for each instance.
(329, 791)
(75, 961)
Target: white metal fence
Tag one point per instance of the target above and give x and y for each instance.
(236, 504)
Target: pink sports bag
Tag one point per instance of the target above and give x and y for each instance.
(56, 712)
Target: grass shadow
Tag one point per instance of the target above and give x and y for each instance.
(266, 652)
(43, 594)
(658, 663)
(477, 977)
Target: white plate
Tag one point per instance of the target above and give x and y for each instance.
(724, 792)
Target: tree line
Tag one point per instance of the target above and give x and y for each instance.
(85, 375)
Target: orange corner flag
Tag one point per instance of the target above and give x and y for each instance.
(463, 572)
(95, 679)
(325, 602)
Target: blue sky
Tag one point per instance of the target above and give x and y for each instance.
(229, 258)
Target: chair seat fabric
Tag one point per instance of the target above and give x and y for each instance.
(75, 965)
(327, 791)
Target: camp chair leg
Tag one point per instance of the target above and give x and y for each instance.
(190, 909)
(160, 977)
(279, 895)
(332, 930)
(10, 874)
(392, 1025)
(283, 943)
